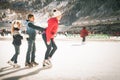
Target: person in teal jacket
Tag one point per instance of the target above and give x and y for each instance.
(30, 56)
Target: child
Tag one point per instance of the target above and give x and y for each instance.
(30, 56)
(48, 37)
(16, 42)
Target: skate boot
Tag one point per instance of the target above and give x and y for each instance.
(16, 65)
(28, 65)
(10, 63)
(47, 63)
(34, 63)
(50, 63)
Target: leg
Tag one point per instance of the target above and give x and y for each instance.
(33, 52)
(30, 44)
(14, 58)
(83, 39)
(33, 55)
(54, 48)
(48, 46)
(17, 49)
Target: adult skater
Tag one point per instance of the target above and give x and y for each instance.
(16, 42)
(30, 56)
(48, 36)
(83, 34)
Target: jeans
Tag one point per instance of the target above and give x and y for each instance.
(30, 56)
(51, 48)
(15, 56)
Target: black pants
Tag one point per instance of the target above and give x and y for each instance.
(83, 40)
(51, 48)
(30, 56)
(15, 56)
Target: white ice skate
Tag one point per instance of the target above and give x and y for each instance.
(10, 63)
(47, 64)
(15, 65)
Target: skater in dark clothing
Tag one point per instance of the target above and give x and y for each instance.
(16, 42)
(48, 37)
(30, 56)
(83, 34)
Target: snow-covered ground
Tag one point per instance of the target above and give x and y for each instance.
(96, 60)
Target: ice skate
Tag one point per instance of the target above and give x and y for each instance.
(15, 65)
(28, 65)
(10, 63)
(47, 63)
(34, 63)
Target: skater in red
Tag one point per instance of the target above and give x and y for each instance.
(48, 37)
(83, 34)
(16, 42)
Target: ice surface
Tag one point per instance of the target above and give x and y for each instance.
(95, 60)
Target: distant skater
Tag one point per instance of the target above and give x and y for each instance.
(83, 34)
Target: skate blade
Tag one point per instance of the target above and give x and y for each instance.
(46, 67)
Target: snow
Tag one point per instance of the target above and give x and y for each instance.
(95, 60)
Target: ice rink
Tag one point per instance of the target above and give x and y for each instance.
(95, 60)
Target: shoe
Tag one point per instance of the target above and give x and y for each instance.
(28, 65)
(47, 63)
(34, 63)
(16, 65)
(10, 63)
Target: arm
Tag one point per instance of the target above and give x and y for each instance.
(35, 27)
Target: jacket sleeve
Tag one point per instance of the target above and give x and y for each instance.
(21, 37)
(35, 27)
(49, 30)
(18, 37)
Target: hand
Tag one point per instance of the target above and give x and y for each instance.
(26, 36)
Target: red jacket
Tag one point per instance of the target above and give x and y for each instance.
(52, 28)
(83, 33)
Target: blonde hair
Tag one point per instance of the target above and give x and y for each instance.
(13, 23)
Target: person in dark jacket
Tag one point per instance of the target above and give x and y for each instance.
(30, 56)
(83, 34)
(48, 37)
(16, 42)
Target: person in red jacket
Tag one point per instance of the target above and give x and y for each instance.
(48, 36)
(83, 34)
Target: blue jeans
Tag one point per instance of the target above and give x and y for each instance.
(30, 56)
(15, 56)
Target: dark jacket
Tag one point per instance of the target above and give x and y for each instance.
(17, 39)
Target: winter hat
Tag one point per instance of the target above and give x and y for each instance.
(56, 13)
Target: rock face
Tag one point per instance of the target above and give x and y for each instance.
(75, 12)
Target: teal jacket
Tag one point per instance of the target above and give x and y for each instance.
(31, 30)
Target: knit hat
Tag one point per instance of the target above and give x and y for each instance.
(56, 13)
